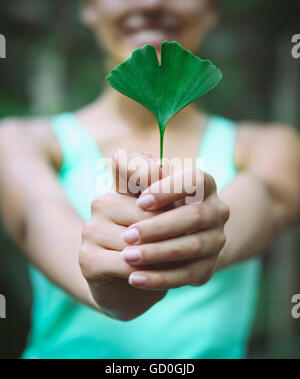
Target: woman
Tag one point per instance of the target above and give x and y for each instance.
(152, 280)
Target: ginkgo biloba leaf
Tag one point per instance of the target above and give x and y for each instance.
(164, 88)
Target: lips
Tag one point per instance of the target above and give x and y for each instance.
(141, 30)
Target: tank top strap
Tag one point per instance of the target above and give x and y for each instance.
(217, 150)
(75, 141)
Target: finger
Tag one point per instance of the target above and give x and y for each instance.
(193, 246)
(99, 264)
(104, 234)
(195, 272)
(174, 223)
(135, 171)
(148, 155)
(120, 209)
(192, 183)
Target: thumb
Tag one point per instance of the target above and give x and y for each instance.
(134, 172)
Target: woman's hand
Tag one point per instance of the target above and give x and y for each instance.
(106, 273)
(147, 243)
(183, 244)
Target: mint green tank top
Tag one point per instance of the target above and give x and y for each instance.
(212, 321)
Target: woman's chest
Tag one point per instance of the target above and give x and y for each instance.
(177, 146)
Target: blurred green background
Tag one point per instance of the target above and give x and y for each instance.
(54, 64)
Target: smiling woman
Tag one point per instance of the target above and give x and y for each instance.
(122, 27)
(156, 276)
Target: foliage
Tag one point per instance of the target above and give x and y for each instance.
(166, 88)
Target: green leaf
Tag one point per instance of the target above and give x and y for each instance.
(164, 89)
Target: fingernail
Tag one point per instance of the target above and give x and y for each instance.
(131, 255)
(145, 202)
(137, 280)
(131, 236)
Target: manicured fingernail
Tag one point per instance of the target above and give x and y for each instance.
(145, 202)
(137, 280)
(131, 255)
(131, 236)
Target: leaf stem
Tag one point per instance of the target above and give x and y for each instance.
(161, 147)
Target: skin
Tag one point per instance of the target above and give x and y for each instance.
(177, 245)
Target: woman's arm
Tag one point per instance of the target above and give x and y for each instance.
(35, 210)
(265, 197)
(41, 220)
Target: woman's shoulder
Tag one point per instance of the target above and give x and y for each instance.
(256, 138)
(35, 134)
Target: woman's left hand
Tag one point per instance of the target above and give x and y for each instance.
(180, 246)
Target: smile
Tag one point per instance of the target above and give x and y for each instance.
(141, 30)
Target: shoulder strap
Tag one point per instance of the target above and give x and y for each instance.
(75, 142)
(82, 158)
(217, 150)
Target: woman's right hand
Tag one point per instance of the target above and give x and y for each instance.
(106, 273)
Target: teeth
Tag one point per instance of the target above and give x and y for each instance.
(150, 35)
(135, 21)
